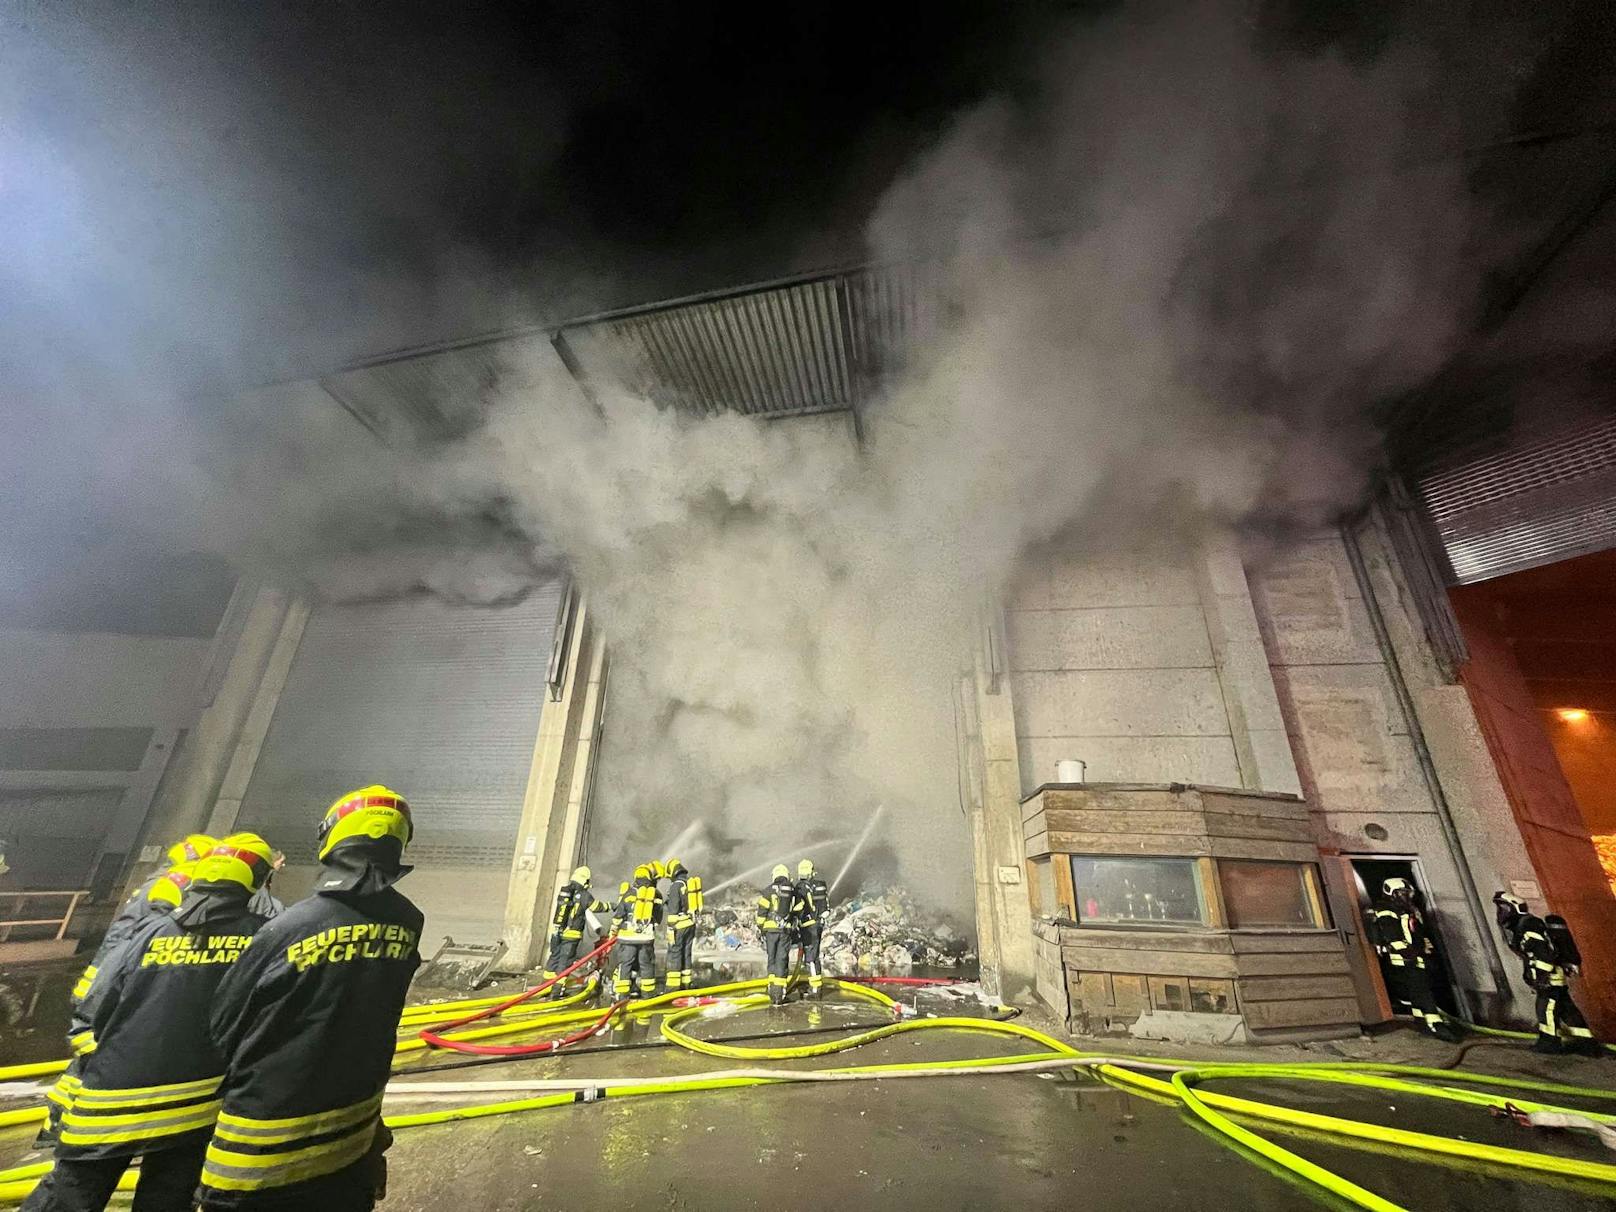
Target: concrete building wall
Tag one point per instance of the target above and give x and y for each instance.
(1358, 756)
(88, 723)
(1111, 662)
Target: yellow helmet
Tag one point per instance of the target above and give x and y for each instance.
(659, 869)
(672, 867)
(643, 871)
(171, 885)
(371, 813)
(241, 858)
(190, 848)
(581, 876)
(805, 869)
(779, 872)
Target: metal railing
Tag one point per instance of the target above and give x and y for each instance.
(14, 919)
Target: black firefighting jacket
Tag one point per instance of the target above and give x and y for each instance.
(1401, 935)
(571, 904)
(307, 1024)
(1540, 961)
(814, 894)
(149, 1076)
(132, 914)
(684, 900)
(778, 908)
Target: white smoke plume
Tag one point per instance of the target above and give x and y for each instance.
(1176, 277)
(1176, 282)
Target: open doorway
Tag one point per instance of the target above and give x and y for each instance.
(1368, 874)
(1542, 678)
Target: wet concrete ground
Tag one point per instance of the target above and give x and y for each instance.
(1023, 1141)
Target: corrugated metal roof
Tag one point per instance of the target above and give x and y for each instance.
(810, 344)
(433, 394)
(803, 345)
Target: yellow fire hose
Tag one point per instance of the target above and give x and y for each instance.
(1212, 1110)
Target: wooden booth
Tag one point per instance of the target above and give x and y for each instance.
(1180, 912)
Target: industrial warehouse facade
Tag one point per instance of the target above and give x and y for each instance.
(1427, 691)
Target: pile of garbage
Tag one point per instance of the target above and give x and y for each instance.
(872, 931)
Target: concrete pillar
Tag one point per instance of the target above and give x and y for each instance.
(1003, 912)
(247, 671)
(250, 739)
(556, 798)
(1256, 723)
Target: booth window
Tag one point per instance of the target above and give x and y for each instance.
(1138, 891)
(1272, 895)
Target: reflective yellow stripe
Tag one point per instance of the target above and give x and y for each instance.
(115, 1129)
(227, 1170)
(82, 1043)
(83, 987)
(153, 1115)
(269, 1131)
(155, 1095)
(63, 1091)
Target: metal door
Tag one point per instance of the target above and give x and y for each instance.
(440, 702)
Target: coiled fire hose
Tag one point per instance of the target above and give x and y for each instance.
(436, 1040)
(1181, 1082)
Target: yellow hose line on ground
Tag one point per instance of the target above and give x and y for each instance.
(736, 1052)
(565, 1018)
(1294, 1162)
(417, 1018)
(1398, 1086)
(16, 1073)
(23, 1115)
(1426, 1142)
(1501, 1033)
(1207, 1106)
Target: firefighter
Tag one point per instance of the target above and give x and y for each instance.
(150, 1077)
(640, 912)
(777, 914)
(621, 909)
(307, 1024)
(1404, 941)
(160, 894)
(567, 923)
(813, 894)
(683, 903)
(1547, 954)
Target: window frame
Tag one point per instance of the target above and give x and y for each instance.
(1312, 891)
(1203, 898)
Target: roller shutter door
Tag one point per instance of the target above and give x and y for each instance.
(1545, 493)
(440, 702)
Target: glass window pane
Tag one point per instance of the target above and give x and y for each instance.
(1137, 890)
(1266, 894)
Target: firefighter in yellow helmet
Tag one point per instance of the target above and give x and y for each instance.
(777, 912)
(683, 902)
(813, 894)
(158, 895)
(636, 936)
(150, 1075)
(1404, 943)
(307, 1023)
(573, 903)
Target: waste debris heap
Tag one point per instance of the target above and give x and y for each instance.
(872, 931)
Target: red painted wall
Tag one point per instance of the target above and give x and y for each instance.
(1550, 819)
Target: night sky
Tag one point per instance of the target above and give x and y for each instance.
(247, 192)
